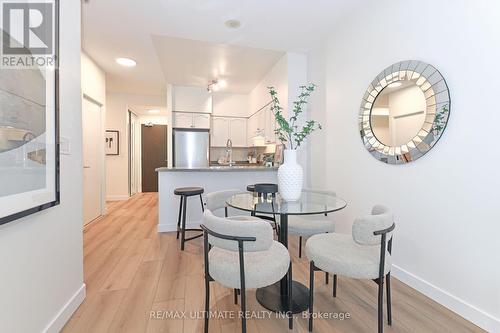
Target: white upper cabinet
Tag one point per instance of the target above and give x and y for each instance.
(183, 119)
(201, 120)
(191, 99)
(224, 128)
(220, 131)
(238, 131)
(191, 120)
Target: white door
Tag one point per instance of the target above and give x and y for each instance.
(201, 120)
(183, 120)
(220, 131)
(238, 132)
(92, 160)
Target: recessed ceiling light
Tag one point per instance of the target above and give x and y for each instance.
(127, 62)
(394, 84)
(233, 24)
(154, 111)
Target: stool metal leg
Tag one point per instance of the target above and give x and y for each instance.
(179, 219)
(183, 231)
(202, 205)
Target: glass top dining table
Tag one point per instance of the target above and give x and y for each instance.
(311, 202)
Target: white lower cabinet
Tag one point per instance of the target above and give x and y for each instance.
(224, 128)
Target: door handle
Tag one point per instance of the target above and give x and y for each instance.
(86, 167)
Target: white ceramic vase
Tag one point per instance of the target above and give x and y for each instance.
(290, 177)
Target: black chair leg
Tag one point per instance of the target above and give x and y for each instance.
(381, 305)
(290, 313)
(334, 285)
(207, 302)
(179, 219)
(243, 311)
(311, 292)
(389, 305)
(183, 230)
(300, 246)
(326, 277)
(202, 205)
(235, 296)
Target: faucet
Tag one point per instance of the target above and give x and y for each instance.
(229, 151)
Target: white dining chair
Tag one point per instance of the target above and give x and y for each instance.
(242, 255)
(366, 254)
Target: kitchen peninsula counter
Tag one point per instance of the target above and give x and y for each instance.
(212, 178)
(220, 168)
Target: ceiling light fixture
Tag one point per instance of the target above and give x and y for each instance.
(394, 84)
(126, 62)
(233, 24)
(213, 86)
(154, 111)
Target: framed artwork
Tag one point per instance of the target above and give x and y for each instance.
(29, 114)
(112, 142)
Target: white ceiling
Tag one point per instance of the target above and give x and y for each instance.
(149, 32)
(144, 110)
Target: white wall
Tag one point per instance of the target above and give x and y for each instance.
(117, 108)
(93, 80)
(226, 104)
(276, 77)
(445, 203)
(192, 99)
(41, 254)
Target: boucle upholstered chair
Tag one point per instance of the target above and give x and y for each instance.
(241, 255)
(366, 254)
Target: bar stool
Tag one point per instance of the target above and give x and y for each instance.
(264, 190)
(186, 192)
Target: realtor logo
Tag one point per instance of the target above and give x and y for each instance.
(28, 28)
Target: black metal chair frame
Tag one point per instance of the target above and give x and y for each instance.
(265, 190)
(379, 281)
(242, 291)
(182, 219)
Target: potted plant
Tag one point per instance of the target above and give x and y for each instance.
(291, 135)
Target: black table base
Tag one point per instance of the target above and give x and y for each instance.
(271, 298)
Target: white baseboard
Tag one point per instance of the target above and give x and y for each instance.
(62, 317)
(117, 197)
(477, 316)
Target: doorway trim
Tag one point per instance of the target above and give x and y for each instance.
(102, 156)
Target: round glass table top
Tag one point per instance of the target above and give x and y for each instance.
(309, 203)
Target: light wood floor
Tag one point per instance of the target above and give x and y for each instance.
(131, 270)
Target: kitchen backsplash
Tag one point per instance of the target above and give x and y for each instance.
(239, 154)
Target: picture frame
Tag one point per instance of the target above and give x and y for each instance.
(29, 125)
(112, 142)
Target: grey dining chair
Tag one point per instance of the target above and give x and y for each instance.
(241, 255)
(366, 254)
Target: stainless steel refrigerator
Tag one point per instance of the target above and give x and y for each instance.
(191, 148)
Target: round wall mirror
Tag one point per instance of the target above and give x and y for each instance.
(404, 112)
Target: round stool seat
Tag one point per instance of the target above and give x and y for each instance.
(251, 188)
(188, 191)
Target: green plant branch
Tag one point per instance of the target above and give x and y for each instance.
(287, 130)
